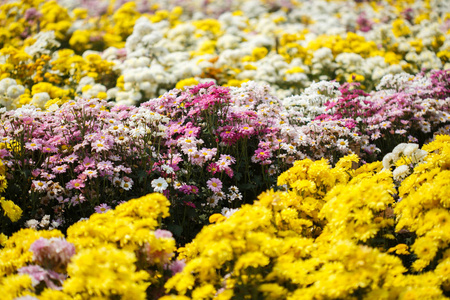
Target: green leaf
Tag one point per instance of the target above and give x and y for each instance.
(177, 230)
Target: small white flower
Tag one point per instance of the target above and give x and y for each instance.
(410, 149)
(389, 160)
(401, 172)
(32, 223)
(159, 185)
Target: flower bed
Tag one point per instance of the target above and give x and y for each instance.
(313, 134)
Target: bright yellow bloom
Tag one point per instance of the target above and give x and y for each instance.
(11, 210)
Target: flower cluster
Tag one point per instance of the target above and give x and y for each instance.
(204, 146)
(120, 253)
(10, 212)
(287, 48)
(333, 233)
(78, 157)
(128, 51)
(117, 114)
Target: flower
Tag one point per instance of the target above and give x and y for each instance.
(11, 210)
(52, 253)
(159, 185)
(102, 208)
(75, 184)
(214, 184)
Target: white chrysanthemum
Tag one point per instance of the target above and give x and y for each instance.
(15, 91)
(418, 155)
(389, 160)
(40, 99)
(159, 185)
(410, 148)
(401, 172)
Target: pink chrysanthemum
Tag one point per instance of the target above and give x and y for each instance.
(102, 208)
(214, 184)
(75, 184)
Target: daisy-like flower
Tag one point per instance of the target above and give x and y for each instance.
(342, 144)
(100, 145)
(385, 125)
(227, 212)
(189, 142)
(289, 148)
(77, 199)
(208, 154)
(105, 165)
(75, 184)
(167, 169)
(222, 164)
(88, 162)
(126, 185)
(33, 146)
(189, 151)
(47, 176)
(102, 208)
(49, 149)
(233, 189)
(246, 130)
(212, 201)
(39, 186)
(60, 169)
(71, 158)
(262, 154)
(228, 158)
(159, 185)
(234, 196)
(214, 184)
(90, 173)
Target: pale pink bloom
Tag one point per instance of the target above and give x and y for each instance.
(60, 169)
(214, 184)
(105, 165)
(102, 208)
(75, 184)
(100, 145)
(161, 233)
(177, 266)
(71, 158)
(33, 146)
(77, 199)
(90, 173)
(88, 162)
(39, 274)
(207, 154)
(52, 253)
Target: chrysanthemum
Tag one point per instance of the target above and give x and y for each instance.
(126, 185)
(214, 184)
(32, 146)
(159, 185)
(60, 169)
(100, 146)
(102, 208)
(342, 144)
(75, 184)
(39, 185)
(90, 173)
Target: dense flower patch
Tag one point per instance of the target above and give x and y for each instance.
(313, 134)
(130, 51)
(334, 233)
(207, 148)
(119, 254)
